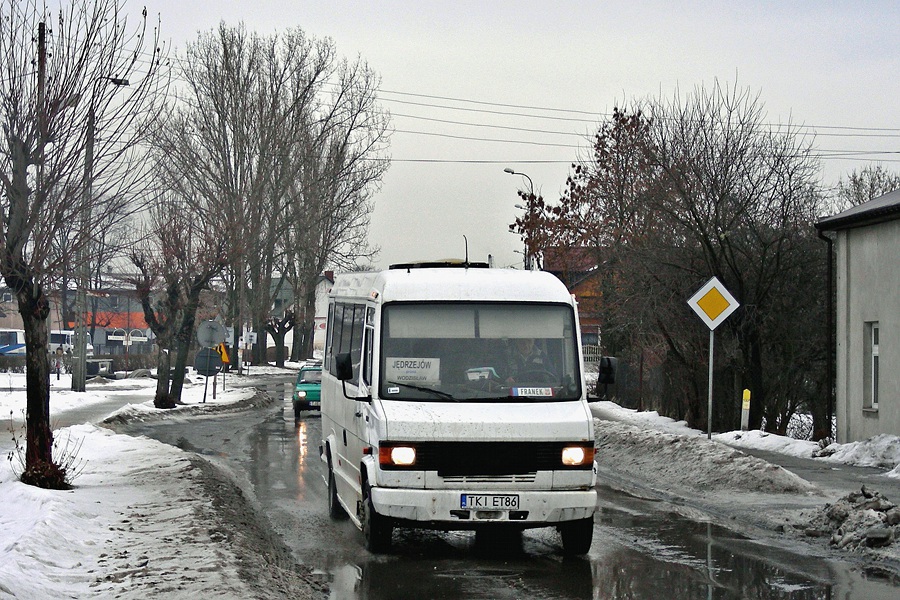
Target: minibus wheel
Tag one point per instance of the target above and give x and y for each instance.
(377, 529)
(576, 536)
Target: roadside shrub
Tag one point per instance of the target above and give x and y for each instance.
(56, 475)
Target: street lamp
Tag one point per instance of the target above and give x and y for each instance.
(528, 212)
(79, 366)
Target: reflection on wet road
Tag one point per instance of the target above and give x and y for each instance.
(640, 550)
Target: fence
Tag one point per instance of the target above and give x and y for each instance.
(592, 354)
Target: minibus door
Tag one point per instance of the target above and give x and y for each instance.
(354, 418)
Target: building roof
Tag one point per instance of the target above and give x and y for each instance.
(572, 265)
(877, 210)
(558, 259)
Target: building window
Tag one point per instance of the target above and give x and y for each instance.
(7, 297)
(870, 394)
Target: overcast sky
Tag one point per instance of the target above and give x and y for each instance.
(458, 76)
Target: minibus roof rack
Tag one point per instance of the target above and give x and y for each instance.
(441, 264)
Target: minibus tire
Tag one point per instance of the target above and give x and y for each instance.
(376, 529)
(577, 536)
(335, 510)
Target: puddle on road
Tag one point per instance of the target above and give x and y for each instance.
(652, 553)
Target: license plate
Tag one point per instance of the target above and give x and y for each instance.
(489, 501)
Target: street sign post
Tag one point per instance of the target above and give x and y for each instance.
(208, 363)
(211, 333)
(713, 303)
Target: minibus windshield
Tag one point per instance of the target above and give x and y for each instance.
(467, 351)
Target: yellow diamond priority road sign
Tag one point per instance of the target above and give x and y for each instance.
(713, 303)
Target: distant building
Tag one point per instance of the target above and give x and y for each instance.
(867, 317)
(578, 269)
(284, 300)
(115, 319)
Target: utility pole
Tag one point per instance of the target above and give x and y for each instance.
(79, 360)
(79, 369)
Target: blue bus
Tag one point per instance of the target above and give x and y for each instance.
(12, 342)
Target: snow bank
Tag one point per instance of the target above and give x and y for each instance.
(882, 451)
(666, 461)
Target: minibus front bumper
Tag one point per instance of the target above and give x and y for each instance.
(448, 509)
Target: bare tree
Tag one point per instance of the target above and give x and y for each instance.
(864, 185)
(275, 137)
(176, 261)
(228, 143)
(603, 215)
(59, 86)
(705, 188)
(741, 197)
(341, 165)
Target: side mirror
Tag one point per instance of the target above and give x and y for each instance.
(607, 370)
(343, 367)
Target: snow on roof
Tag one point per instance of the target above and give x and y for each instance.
(428, 284)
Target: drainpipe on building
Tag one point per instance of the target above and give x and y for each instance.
(829, 325)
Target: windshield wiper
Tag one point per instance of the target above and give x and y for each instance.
(439, 393)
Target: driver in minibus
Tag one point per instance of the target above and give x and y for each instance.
(526, 359)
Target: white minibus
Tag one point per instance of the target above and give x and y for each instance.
(62, 341)
(453, 398)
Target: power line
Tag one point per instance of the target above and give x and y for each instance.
(496, 112)
(150, 55)
(595, 114)
(840, 131)
(508, 128)
(477, 139)
(882, 132)
(832, 130)
(482, 102)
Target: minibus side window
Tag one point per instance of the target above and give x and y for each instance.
(337, 322)
(328, 332)
(348, 335)
(370, 337)
(356, 339)
(346, 329)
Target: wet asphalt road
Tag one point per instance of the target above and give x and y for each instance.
(640, 548)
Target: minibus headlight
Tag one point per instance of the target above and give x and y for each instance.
(575, 456)
(301, 394)
(397, 456)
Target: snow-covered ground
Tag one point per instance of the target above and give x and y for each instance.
(881, 451)
(137, 523)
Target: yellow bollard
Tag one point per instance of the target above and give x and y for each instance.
(745, 411)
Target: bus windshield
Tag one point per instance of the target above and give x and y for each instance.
(465, 351)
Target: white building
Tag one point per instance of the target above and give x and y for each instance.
(867, 276)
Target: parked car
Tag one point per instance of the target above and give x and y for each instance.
(307, 389)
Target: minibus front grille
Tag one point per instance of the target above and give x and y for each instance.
(495, 479)
(472, 459)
